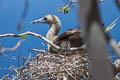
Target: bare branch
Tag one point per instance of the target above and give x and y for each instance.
(69, 73)
(24, 13)
(6, 76)
(115, 46)
(41, 51)
(17, 70)
(39, 36)
(111, 25)
(3, 50)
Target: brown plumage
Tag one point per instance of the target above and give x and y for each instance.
(70, 38)
(74, 37)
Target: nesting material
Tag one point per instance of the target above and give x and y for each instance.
(55, 66)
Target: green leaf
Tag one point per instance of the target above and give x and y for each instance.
(64, 10)
(24, 36)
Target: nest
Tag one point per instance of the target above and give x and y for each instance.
(55, 66)
(74, 66)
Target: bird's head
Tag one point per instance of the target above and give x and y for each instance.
(48, 19)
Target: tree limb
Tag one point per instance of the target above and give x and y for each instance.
(35, 35)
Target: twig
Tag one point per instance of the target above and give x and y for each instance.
(65, 78)
(14, 69)
(3, 50)
(42, 51)
(17, 70)
(112, 25)
(6, 76)
(19, 59)
(24, 13)
(69, 73)
(101, 0)
(28, 59)
(115, 46)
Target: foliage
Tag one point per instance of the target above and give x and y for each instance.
(64, 10)
(24, 36)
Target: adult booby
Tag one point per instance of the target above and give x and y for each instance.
(70, 38)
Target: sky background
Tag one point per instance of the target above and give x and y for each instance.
(10, 13)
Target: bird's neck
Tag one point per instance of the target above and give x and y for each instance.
(53, 31)
(52, 34)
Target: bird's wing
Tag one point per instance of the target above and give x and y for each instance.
(68, 33)
(70, 38)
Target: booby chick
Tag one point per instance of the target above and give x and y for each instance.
(70, 38)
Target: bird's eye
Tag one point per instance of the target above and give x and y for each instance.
(45, 19)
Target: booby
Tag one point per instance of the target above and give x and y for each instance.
(70, 38)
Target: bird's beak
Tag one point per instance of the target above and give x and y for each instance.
(38, 21)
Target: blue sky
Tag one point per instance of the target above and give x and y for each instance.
(11, 10)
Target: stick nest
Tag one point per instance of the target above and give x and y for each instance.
(54, 66)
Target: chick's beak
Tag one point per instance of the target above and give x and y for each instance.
(38, 21)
